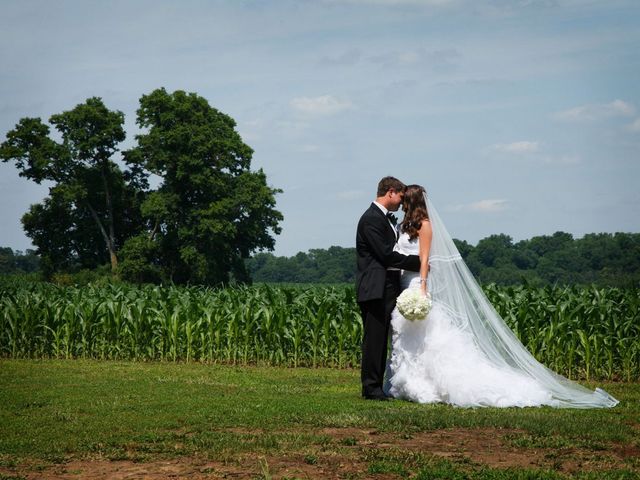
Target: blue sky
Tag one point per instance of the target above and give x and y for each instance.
(519, 117)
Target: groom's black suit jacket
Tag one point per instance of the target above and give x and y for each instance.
(375, 239)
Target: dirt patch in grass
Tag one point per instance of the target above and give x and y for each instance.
(348, 453)
(481, 446)
(492, 448)
(126, 469)
(284, 466)
(627, 451)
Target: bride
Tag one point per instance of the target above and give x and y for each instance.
(463, 353)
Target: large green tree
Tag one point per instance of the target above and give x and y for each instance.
(92, 204)
(211, 211)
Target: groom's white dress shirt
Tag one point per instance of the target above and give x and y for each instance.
(385, 211)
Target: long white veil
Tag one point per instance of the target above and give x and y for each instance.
(452, 285)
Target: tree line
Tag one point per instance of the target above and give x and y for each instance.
(208, 213)
(603, 259)
(18, 262)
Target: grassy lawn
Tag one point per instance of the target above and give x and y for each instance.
(92, 419)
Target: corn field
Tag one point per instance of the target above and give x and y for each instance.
(239, 325)
(579, 332)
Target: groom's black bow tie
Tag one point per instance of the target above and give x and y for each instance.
(392, 218)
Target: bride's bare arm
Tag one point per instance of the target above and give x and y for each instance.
(424, 237)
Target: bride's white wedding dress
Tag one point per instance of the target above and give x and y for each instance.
(463, 353)
(436, 360)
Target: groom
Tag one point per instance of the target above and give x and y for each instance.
(378, 281)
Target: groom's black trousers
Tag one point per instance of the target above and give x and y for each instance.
(376, 320)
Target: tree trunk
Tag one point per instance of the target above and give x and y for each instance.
(112, 237)
(155, 230)
(114, 260)
(110, 245)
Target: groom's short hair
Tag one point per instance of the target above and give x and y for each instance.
(390, 183)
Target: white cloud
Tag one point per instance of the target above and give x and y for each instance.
(489, 205)
(517, 147)
(596, 111)
(322, 105)
(532, 151)
(482, 206)
(635, 126)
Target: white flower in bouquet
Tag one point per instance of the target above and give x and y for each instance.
(413, 305)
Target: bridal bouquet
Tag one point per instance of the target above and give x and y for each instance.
(413, 305)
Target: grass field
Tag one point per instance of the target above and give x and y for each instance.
(80, 419)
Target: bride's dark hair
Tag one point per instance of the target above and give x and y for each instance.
(415, 210)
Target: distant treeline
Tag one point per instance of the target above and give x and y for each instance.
(18, 262)
(335, 265)
(597, 258)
